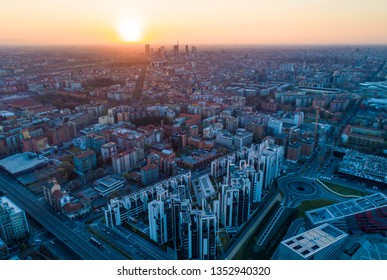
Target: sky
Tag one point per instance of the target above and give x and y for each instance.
(257, 22)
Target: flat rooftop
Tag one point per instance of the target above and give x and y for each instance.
(310, 242)
(206, 186)
(22, 162)
(347, 208)
(4, 201)
(109, 181)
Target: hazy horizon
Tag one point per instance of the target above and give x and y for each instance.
(246, 22)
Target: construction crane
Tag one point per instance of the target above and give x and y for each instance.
(318, 108)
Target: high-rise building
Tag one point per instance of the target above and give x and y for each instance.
(13, 221)
(206, 226)
(235, 203)
(256, 179)
(136, 204)
(147, 49)
(115, 213)
(3, 250)
(198, 229)
(176, 49)
(273, 157)
(157, 216)
(186, 241)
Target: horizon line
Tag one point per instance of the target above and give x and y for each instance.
(136, 44)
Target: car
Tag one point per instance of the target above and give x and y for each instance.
(52, 242)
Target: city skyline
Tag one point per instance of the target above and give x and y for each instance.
(247, 22)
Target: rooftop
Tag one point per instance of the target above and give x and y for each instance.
(22, 162)
(109, 144)
(149, 167)
(6, 202)
(310, 242)
(85, 154)
(347, 208)
(109, 180)
(127, 133)
(206, 186)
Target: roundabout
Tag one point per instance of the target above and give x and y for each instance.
(301, 188)
(297, 189)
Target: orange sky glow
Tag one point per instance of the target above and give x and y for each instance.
(194, 22)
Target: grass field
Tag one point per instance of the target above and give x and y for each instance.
(312, 204)
(343, 190)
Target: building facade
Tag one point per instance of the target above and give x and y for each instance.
(85, 161)
(13, 221)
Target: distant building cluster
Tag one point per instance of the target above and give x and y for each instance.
(188, 142)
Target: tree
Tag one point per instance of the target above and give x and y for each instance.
(22, 247)
(65, 172)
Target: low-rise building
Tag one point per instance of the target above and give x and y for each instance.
(54, 195)
(366, 214)
(109, 184)
(149, 173)
(85, 161)
(324, 242)
(294, 152)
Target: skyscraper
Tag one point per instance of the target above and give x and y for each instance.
(157, 217)
(235, 203)
(176, 49)
(147, 49)
(199, 231)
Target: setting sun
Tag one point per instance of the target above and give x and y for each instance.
(130, 30)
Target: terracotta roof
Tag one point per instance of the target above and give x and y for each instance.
(58, 194)
(72, 207)
(85, 154)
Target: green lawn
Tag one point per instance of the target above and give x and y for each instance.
(312, 204)
(343, 190)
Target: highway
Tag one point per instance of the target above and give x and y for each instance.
(139, 245)
(29, 203)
